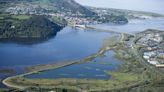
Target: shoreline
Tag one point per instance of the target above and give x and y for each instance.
(47, 67)
(131, 75)
(43, 68)
(33, 72)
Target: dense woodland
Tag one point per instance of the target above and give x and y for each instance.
(24, 26)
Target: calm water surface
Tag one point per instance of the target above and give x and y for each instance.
(95, 69)
(69, 44)
(135, 25)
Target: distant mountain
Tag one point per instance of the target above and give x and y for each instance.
(71, 5)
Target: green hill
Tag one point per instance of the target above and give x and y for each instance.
(71, 5)
(27, 26)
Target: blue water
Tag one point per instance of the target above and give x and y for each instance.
(69, 44)
(95, 69)
(135, 25)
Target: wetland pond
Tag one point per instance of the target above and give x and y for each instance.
(69, 44)
(95, 69)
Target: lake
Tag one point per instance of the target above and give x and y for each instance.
(68, 44)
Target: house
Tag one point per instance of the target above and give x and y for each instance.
(153, 62)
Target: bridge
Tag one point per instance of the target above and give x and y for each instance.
(80, 26)
(94, 28)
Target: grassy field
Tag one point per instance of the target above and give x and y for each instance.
(14, 19)
(2, 90)
(21, 17)
(1, 18)
(124, 77)
(75, 83)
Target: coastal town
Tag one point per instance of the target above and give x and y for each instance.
(30, 9)
(152, 47)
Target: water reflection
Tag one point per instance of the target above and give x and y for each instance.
(68, 44)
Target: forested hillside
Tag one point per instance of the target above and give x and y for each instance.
(24, 26)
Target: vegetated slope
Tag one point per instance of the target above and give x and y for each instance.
(116, 19)
(72, 6)
(23, 26)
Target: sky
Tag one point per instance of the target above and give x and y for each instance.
(156, 6)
